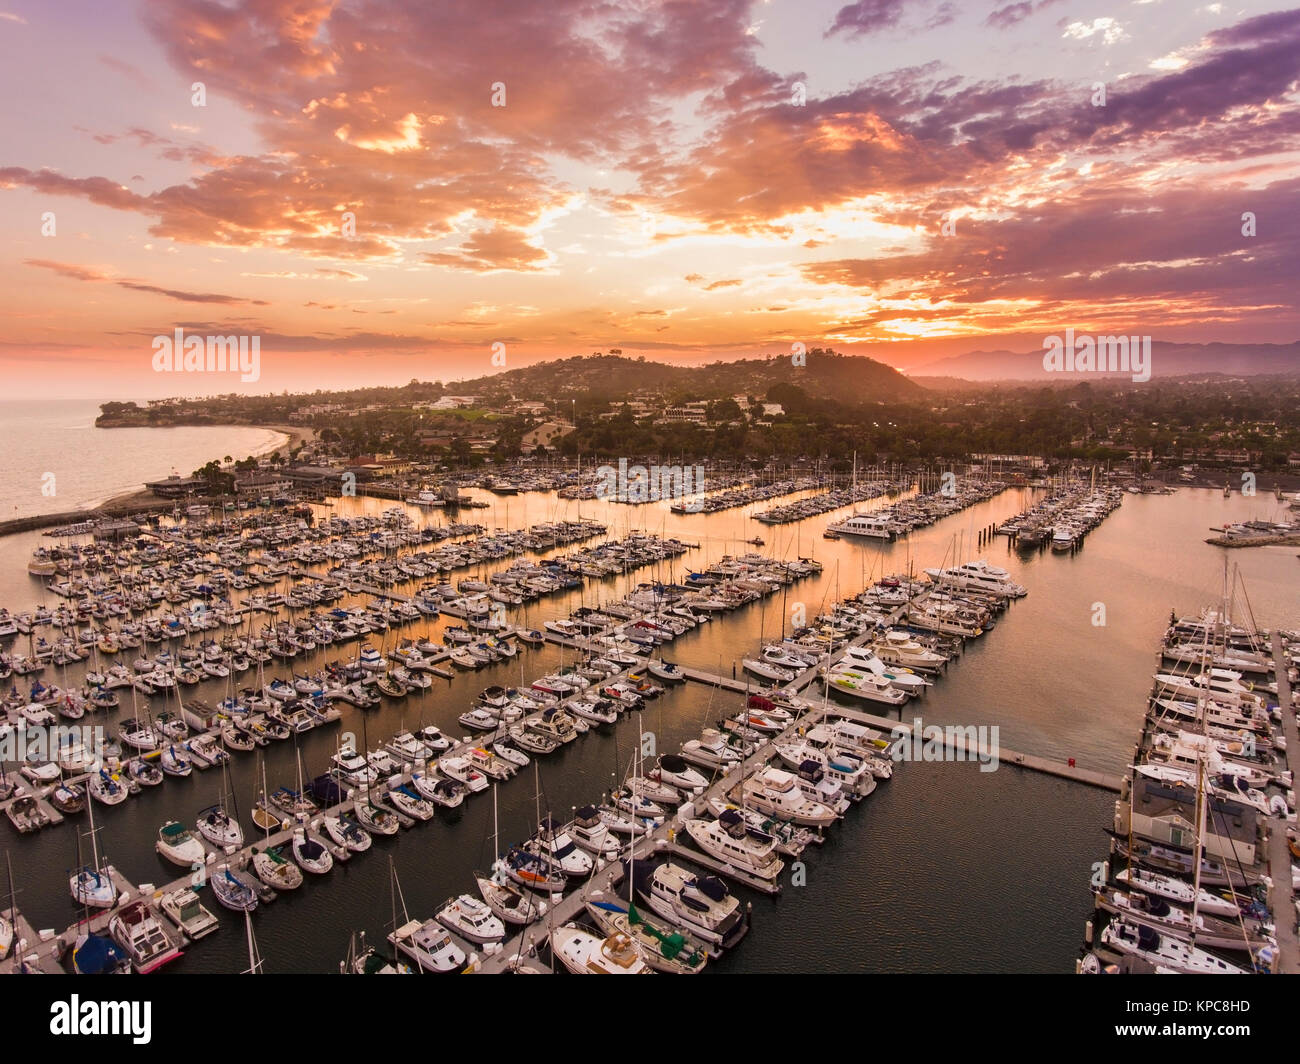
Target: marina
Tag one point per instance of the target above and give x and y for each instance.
(1200, 875)
(933, 608)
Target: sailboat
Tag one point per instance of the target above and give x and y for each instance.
(217, 826)
(507, 901)
(92, 886)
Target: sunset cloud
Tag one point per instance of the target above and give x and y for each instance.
(569, 164)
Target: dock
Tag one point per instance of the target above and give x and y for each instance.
(953, 737)
(1281, 895)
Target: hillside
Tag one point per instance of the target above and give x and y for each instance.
(827, 375)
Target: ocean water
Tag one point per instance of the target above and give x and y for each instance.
(943, 868)
(56, 460)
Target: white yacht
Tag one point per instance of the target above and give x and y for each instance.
(865, 658)
(711, 751)
(354, 768)
(1165, 951)
(849, 771)
(472, 920)
(1178, 891)
(583, 953)
(777, 793)
(219, 828)
(865, 685)
(590, 831)
(864, 526)
(429, 945)
(768, 670)
(898, 647)
(701, 905)
(178, 845)
(729, 840)
(978, 576)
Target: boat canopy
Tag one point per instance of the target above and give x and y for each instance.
(712, 887)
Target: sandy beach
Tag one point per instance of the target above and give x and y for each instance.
(142, 497)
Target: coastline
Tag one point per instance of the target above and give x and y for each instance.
(138, 498)
(141, 499)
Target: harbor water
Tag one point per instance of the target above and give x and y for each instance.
(943, 869)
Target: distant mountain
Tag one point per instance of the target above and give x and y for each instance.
(826, 375)
(1167, 360)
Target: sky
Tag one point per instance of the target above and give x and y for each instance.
(438, 189)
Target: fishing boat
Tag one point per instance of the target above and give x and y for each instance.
(178, 845)
(583, 953)
(472, 920)
(189, 914)
(143, 938)
(429, 945)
